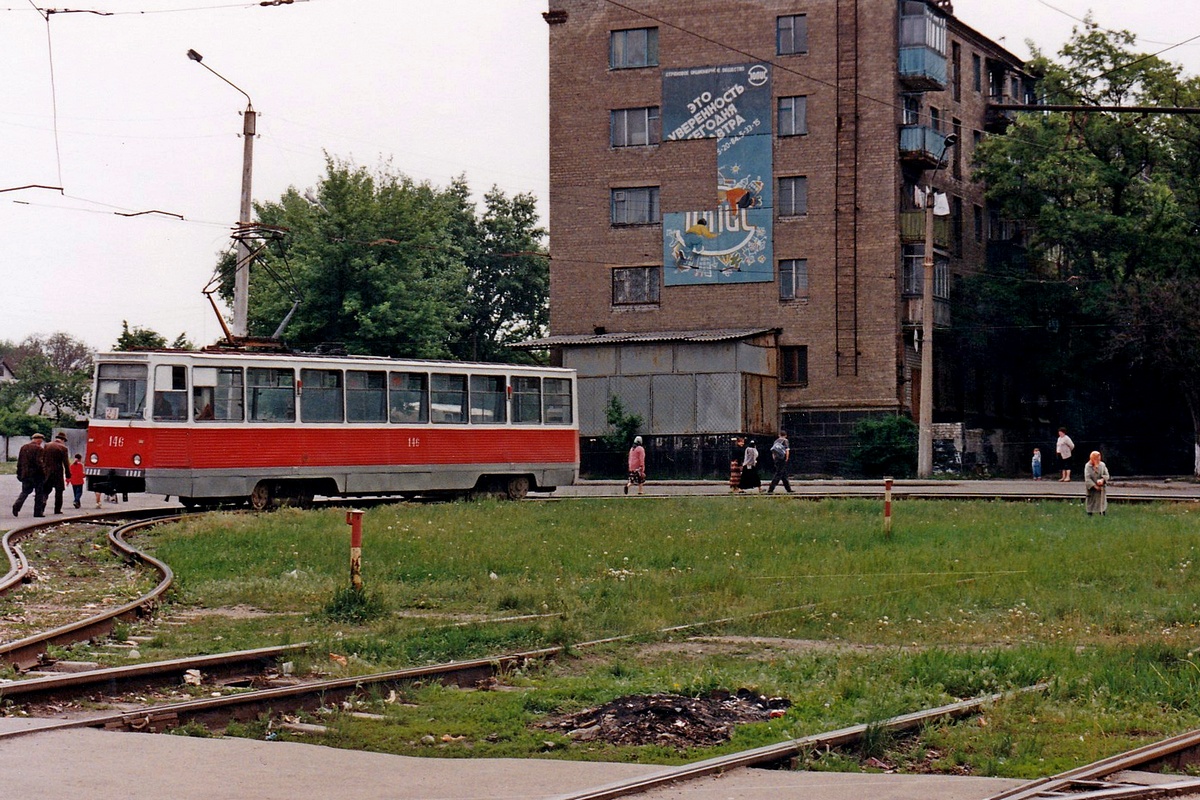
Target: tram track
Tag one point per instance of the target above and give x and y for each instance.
(28, 652)
(1109, 778)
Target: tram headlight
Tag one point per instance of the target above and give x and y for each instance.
(137, 460)
(94, 459)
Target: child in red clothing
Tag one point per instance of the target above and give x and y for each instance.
(77, 478)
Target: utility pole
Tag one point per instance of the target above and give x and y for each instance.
(925, 426)
(241, 274)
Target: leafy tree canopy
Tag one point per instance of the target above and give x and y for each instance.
(383, 265)
(52, 372)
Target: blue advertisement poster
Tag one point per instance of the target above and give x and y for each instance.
(727, 239)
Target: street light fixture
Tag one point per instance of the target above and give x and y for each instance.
(925, 426)
(241, 275)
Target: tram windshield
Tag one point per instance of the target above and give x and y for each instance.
(120, 391)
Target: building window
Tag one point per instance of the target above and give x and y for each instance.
(635, 206)
(635, 285)
(791, 35)
(792, 197)
(793, 365)
(912, 109)
(912, 275)
(979, 223)
(956, 72)
(793, 279)
(793, 116)
(635, 127)
(637, 47)
(976, 72)
(935, 118)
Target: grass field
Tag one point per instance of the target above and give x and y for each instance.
(806, 600)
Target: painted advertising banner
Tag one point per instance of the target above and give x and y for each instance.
(727, 239)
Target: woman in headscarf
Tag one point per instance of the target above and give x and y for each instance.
(1095, 478)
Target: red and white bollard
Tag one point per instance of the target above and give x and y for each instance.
(887, 507)
(354, 520)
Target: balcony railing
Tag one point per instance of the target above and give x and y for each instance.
(922, 144)
(912, 228)
(923, 69)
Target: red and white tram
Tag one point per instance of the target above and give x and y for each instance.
(217, 427)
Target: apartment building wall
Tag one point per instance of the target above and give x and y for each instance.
(853, 319)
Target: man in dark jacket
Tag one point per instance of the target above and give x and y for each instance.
(56, 464)
(31, 476)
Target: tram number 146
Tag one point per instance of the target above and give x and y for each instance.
(116, 441)
(414, 441)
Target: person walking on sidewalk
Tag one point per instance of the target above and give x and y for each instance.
(77, 479)
(31, 476)
(781, 452)
(637, 466)
(56, 464)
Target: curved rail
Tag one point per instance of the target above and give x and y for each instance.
(30, 651)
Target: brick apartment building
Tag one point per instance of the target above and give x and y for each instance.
(736, 239)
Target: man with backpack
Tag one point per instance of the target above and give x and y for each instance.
(780, 452)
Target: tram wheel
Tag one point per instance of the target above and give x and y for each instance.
(518, 487)
(261, 498)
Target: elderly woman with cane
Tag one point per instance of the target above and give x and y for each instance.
(1095, 478)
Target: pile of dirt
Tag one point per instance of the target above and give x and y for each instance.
(669, 720)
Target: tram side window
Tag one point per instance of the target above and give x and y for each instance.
(120, 391)
(487, 399)
(321, 395)
(449, 395)
(527, 399)
(557, 401)
(217, 394)
(170, 392)
(366, 396)
(410, 397)
(271, 394)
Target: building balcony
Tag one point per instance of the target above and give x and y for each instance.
(912, 229)
(922, 145)
(922, 69)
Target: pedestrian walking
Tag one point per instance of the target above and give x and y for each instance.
(1095, 480)
(750, 481)
(56, 466)
(736, 457)
(31, 476)
(637, 466)
(77, 479)
(781, 453)
(1063, 448)
(1037, 464)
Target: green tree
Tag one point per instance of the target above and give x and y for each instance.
(508, 278)
(1112, 207)
(54, 372)
(372, 259)
(139, 338)
(886, 446)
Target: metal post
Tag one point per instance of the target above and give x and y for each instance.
(354, 520)
(887, 507)
(925, 425)
(241, 278)
(925, 422)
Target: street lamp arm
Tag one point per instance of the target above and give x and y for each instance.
(199, 59)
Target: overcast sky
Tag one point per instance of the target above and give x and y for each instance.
(437, 89)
